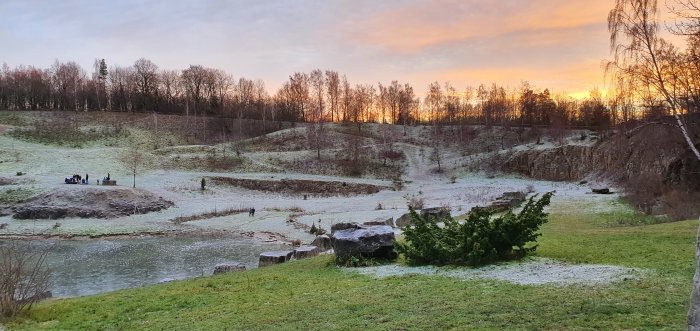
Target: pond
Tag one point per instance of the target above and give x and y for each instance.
(83, 267)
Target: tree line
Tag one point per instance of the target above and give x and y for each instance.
(642, 90)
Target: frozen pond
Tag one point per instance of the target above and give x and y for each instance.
(83, 267)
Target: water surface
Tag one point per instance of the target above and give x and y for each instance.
(82, 267)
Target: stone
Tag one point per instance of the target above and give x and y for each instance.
(166, 280)
(437, 212)
(228, 267)
(303, 252)
(500, 205)
(404, 221)
(343, 226)
(389, 221)
(275, 257)
(323, 242)
(372, 241)
(516, 196)
(603, 190)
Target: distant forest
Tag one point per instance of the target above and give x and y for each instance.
(650, 78)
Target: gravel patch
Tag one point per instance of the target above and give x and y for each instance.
(533, 271)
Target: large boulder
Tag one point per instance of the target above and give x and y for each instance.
(276, 257)
(303, 252)
(372, 241)
(323, 242)
(228, 267)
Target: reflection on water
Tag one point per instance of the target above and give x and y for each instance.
(82, 267)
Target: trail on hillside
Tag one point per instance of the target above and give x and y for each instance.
(418, 165)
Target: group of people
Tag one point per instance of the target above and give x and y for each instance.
(77, 179)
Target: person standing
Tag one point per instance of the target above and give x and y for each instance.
(86, 178)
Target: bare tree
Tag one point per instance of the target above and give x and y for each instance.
(639, 54)
(333, 90)
(147, 73)
(133, 157)
(316, 133)
(24, 278)
(636, 46)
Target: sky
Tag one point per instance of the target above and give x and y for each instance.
(560, 45)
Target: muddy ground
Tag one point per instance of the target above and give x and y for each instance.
(88, 202)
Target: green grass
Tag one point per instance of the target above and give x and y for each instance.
(314, 294)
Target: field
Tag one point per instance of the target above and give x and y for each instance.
(314, 294)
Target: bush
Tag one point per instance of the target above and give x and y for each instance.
(24, 279)
(477, 241)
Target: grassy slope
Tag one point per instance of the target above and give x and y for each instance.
(310, 294)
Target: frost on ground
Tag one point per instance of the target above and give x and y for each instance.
(533, 271)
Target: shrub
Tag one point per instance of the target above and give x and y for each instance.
(479, 240)
(24, 279)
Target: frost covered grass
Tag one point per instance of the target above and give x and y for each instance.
(314, 294)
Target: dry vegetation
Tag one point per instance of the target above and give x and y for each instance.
(296, 187)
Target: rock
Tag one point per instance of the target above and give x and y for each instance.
(513, 196)
(389, 221)
(343, 226)
(372, 241)
(500, 205)
(3, 225)
(583, 182)
(437, 212)
(303, 252)
(603, 190)
(166, 280)
(228, 267)
(323, 242)
(404, 221)
(276, 257)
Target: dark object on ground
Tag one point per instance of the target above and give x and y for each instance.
(228, 267)
(303, 252)
(270, 258)
(601, 190)
(109, 182)
(251, 212)
(368, 242)
(323, 242)
(583, 182)
(3, 225)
